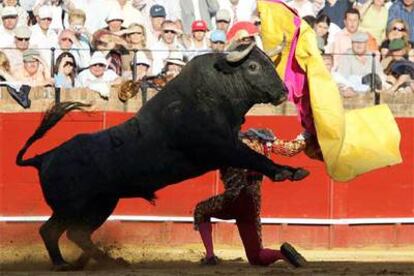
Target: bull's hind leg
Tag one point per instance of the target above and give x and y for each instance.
(51, 231)
(91, 218)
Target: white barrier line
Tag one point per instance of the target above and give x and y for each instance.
(304, 221)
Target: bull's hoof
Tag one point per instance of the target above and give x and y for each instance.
(121, 262)
(81, 262)
(64, 267)
(283, 175)
(111, 263)
(299, 174)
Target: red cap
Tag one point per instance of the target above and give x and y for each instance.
(242, 29)
(199, 25)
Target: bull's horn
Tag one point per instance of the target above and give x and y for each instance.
(278, 49)
(233, 45)
(235, 56)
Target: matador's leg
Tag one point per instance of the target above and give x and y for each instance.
(212, 207)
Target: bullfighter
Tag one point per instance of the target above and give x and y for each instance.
(241, 200)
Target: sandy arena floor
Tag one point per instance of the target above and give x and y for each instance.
(184, 261)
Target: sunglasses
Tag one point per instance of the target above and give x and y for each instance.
(22, 39)
(222, 21)
(46, 19)
(9, 17)
(99, 65)
(66, 39)
(69, 64)
(169, 31)
(218, 42)
(31, 62)
(399, 29)
(257, 23)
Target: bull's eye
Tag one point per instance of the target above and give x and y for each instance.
(253, 67)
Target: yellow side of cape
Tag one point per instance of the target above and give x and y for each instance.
(352, 142)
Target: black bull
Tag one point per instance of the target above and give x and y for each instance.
(187, 129)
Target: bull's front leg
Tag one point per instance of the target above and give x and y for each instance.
(241, 156)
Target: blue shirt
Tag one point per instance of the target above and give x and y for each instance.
(398, 11)
(336, 12)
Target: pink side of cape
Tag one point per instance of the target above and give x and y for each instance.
(295, 78)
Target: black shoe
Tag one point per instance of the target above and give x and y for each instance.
(292, 256)
(21, 96)
(210, 261)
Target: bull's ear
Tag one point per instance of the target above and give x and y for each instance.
(224, 66)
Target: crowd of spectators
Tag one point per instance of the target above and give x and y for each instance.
(98, 43)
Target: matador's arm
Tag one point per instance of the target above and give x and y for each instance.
(289, 147)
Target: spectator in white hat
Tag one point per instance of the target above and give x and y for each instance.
(56, 6)
(96, 12)
(130, 13)
(43, 37)
(173, 65)
(240, 10)
(9, 19)
(223, 20)
(114, 21)
(166, 44)
(20, 44)
(97, 75)
(21, 12)
(142, 66)
(135, 36)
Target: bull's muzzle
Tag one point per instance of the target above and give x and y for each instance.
(281, 99)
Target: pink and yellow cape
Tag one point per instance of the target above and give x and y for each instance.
(352, 142)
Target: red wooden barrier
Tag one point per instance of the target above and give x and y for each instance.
(384, 193)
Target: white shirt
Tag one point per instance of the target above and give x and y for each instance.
(303, 8)
(42, 39)
(86, 78)
(6, 37)
(196, 6)
(96, 13)
(333, 30)
(130, 14)
(27, 4)
(47, 40)
(15, 58)
(57, 23)
(161, 52)
(194, 51)
(172, 8)
(244, 9)
(21, 13)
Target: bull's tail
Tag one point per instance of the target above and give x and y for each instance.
(50, 119)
